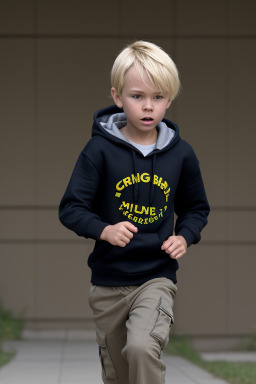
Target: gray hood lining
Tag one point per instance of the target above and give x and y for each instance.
(113, 123)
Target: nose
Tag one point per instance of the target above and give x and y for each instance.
(148, 106)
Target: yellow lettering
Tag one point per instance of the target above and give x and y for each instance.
(145, 177)
(136, 210)
(164, 185)
(152, 211)
(135, 179)
(145, 210)
(124, 205)
(127, 181)
(118, 187)
(155, 181)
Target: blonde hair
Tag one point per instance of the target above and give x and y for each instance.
(158, 65)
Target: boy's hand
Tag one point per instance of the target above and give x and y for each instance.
(175, 246)
(119, 234)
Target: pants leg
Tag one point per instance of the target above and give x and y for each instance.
(148, 327)
(110, 313)
(132, 330)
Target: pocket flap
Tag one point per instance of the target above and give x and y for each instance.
(165, 305)
(163, 322)
(108, 369)
(101, 338)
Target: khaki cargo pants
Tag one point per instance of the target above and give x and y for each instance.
(132, 329)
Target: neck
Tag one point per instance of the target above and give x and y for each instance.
(143, 138)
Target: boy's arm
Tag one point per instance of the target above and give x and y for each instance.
(190, 202)
(75, 210)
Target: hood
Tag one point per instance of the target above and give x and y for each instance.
(109, 121)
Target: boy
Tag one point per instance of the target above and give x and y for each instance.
(129, 180)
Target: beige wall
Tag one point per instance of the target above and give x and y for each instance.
(54, 73)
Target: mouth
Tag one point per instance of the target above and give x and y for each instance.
(147, 119)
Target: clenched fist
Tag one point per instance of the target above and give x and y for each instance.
(175, 246)
(119, 234)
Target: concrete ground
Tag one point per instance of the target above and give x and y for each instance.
(66, 357)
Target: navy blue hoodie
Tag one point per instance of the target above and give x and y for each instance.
(113, 181)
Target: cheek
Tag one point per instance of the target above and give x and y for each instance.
(129, 110)
(163, 109)
(160, 111)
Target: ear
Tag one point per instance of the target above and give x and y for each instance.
(117, 99)
(169, 103)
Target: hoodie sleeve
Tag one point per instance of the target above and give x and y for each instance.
(190, 202)
(75, 210)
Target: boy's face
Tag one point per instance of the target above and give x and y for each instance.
(143, 103)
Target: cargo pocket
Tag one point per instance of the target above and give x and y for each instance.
(105, 359)
(163, 322)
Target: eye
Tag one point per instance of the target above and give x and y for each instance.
(159, 97)
(136, 97)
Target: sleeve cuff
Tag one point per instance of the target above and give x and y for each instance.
(94, 228)
(189, 236)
